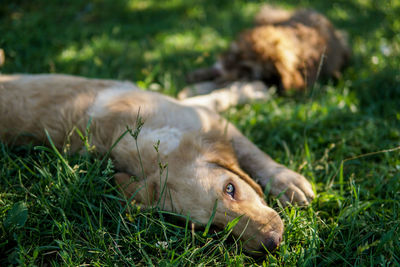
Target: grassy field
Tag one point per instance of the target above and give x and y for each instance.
(64, 210)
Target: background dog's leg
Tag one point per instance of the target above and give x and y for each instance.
(268, 173)
(196, 89)
(204, 74)
(234, 94)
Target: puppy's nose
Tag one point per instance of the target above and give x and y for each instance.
(271, 241)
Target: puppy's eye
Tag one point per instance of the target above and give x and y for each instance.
(230, 190)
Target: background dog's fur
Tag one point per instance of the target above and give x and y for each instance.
(290, 49)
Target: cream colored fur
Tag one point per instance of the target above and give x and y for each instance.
(203, 151)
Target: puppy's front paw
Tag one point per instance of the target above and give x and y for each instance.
(290, 186)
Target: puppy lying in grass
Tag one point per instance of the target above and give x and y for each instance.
(209, 161)
(288, 49)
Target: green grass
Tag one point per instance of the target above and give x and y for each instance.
(65, 210)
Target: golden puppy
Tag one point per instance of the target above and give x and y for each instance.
(209, 160)
(289, 49)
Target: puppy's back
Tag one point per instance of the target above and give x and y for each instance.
(31, 103)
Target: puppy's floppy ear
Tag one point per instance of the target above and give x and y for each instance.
(143, 192)
(290, 78)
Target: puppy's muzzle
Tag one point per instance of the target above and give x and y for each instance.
(271, 241)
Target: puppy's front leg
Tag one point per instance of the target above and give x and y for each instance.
(295, 188)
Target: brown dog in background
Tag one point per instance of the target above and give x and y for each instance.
(288, 49)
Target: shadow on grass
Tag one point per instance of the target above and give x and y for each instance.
(110, 39)
(118, 39)
(356, 17)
